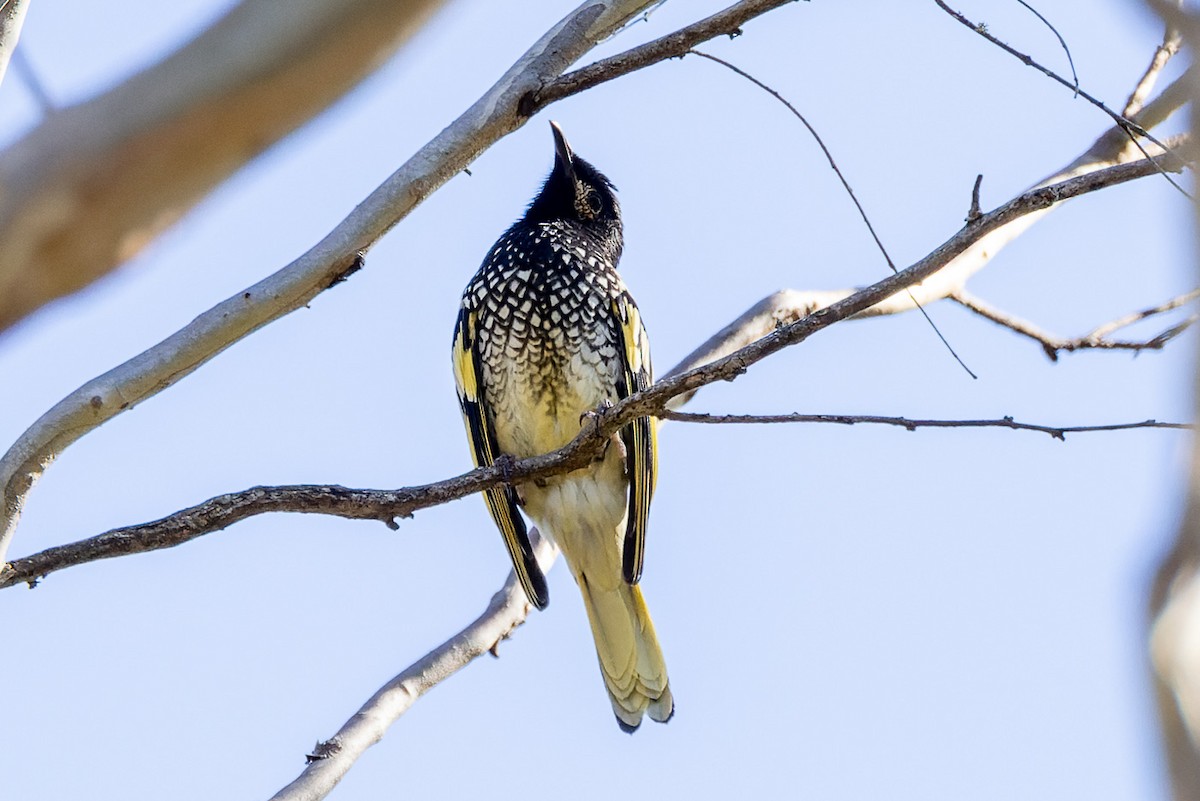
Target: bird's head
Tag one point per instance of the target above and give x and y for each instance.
(575, 192)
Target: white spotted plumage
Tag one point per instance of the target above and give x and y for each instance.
(547, 333)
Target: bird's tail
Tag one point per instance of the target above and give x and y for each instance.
(630, 657)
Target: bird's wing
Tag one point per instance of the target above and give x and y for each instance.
(501, 500)
(641, 445)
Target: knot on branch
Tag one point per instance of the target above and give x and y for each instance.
(356, 264)
(324, 749)
(529, 103)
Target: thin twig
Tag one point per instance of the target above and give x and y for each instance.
(221, 512)
(1057, 432)
(1131, 128)
(1138, 316)
(1053, 345)
(845, 184)
(1061, 41)
(975, 212)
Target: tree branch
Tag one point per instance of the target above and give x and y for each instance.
(493, 116)
(331, 759)
(222, 511)
(12, 17)
(94, 183)
(1173, 605)
(1172, 41)
(789, 305)
(673, 45)
(1056, 432)
(1130, 127)
(1095, 339)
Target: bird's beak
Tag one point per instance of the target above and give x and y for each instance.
(562, 151)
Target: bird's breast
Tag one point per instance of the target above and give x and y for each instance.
(546, 363)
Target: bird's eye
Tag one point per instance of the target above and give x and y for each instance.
(587, 201)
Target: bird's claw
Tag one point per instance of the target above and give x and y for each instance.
(505, 462)
(595, 414)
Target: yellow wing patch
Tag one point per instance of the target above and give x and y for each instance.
(639, 436)
(501, 500)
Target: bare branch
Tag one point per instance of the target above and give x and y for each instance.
(789, 305)
(1130, 127)
(673, 45)
(1057, 432)
(1172, 41)
(331, 759)
(12, 17)
(1138, 316)
(220, 512)
(1094, 340)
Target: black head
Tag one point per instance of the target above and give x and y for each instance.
(575, 191)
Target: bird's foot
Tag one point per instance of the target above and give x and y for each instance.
(595, 414)
(505, 462)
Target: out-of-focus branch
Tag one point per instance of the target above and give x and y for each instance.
(95, 182)
(220, 512)
(330, 760)
(1097, 339)
(1174, 603)
(1171, 43)
(1055, 432)
(12, 17)
(1142, 314)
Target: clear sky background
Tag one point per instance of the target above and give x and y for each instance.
(847, 613)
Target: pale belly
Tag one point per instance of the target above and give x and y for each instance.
(583, 512)
(540, 410)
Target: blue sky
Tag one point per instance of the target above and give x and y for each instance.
(846, 612)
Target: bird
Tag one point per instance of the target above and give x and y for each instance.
(547, 335)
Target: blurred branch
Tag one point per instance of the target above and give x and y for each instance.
(222, 511)
(12, 17)
(330, 760)
(493, 116)
(94, 183)
(1171, 43)
(1095, 339)
(1056, 432)
(1174, 602)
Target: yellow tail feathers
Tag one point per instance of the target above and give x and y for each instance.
(630, 658)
